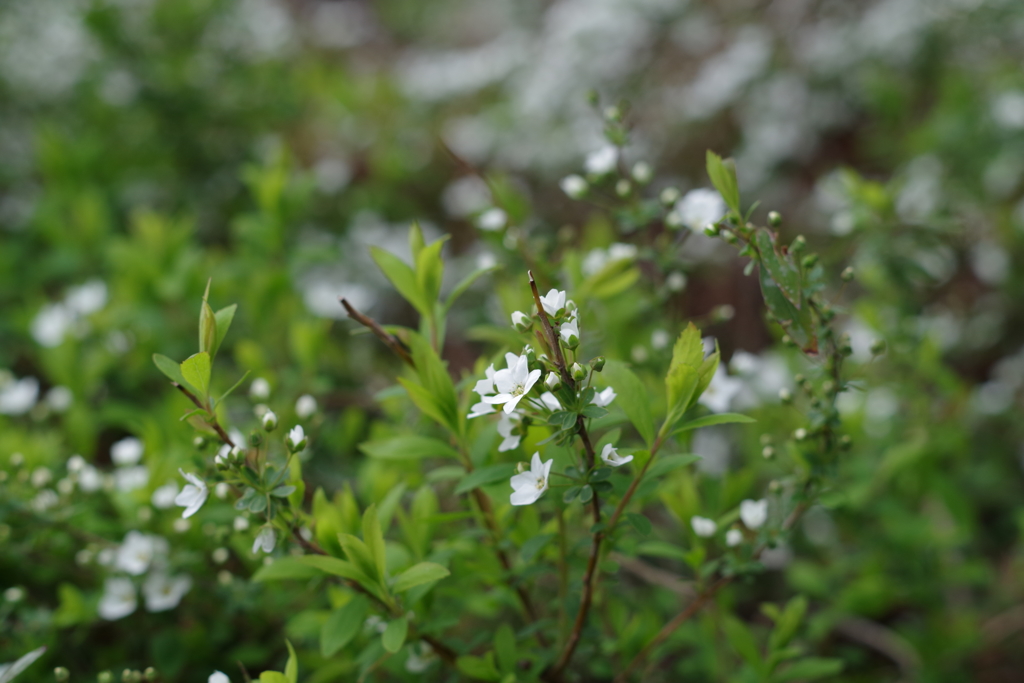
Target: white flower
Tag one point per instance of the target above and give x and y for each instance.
(131, 478)
(418, 662)
(510, 440)
(193, 495)
(269, 421)
(611, 456)
(520, 321)
(721, 391)
(676, 281)
(570, 330)
(704, 527)
(17, 398)
(164, 592)
(119, 599)
(305, 406)
(76, 464)
(602, 161)
(530, 486)
(265, 540)
(604, 397)
(699, 207)
(642, 172)
(485, 386)
(259, 390)
(222, 489)
(127, 451)
(59, 398)
(41, 476)
(87, 298)
(46, 499)
(574, 186)
(513, 383)
(296, 439)
(492, 219)
(550, 401)
(218, 677)
(137, 552)
(164, 496)
(479, 409)
(553, 301)
(51, 324)
(90, 479)
(754, 513)
(240, 524)
(733, 537)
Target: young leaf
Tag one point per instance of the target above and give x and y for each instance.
(284, 568)
(291, 669)
(810, 669)
(723, 177)
(331, 565)
(172, 371)
(273, 677)
(402, 277)
(633, 398)
(479, 668)
(505, 649)
(196, 370)
(374, 539)
(430, 271)
(484, 476)
(416, 242)
(343, 625)
(394, 636)
(640, 523)
(742, 640)
(207, 328)
(782, 270)
(418, 574)
(709, 420)
(408, 448)
(788, 622)
(224, 317)
(358, 554)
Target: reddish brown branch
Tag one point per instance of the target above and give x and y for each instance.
(393, 342)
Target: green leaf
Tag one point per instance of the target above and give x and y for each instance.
(709, 420)
(427, 403)
(402, 277)
(669, 463)
(224, 318)
(273, 677)
(394, 636)
(196, 370)
(485, 476)
(788, 622)
(505, 648)
(465, 284)
(661, 549)
(797, 323)
(742, 640)
(283, 491)
(430, 270)
(809, 669)
(207, 327)
(291, 669)
(373, 537)
(480, 668)
(285, 568)
(586, 493)
(358, 554)
(640, 523)
(343, 625)
(416, 242)
(408, 448)
(723, 177)
(632, 397)
(418, 574)
(781, 268)
(172, 370)
(571, 493)
(532, 547)
(332, 565)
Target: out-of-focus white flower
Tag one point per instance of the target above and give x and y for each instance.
(218, 677)
(296, 439)
(479, 409)
(509, 440)
(51, 324)
(530, 486)
(76, 464)
(119, 599)
(418, 662)
(492, 220)
(720, 391)
(47, 499)
(305, 406)
(676, 281)
(18, 397)
(604, 397)
(193, 495)
(163, 592)
(87, 298)
(610, 456)
(602, 161)
(59, 398)
(574, 186)
(138, 551)
(754, 513)
(128, 479)
(164, 496)
(699, 207)
(703, 527)
(222, 489)
(550, 401)
(265, 540)
(1008, 109)
(733, 537)
(41, 476)
(512, 384)
(14, 594)
(642, 172)
(127, 451)
(259, 390)
(553, 302)
(660, 339)
(240, 524)
(90, 479)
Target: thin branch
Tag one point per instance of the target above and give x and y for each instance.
(552, 338)
(393, 342)
(216, 426)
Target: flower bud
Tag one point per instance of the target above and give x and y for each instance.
(722, 313)
(199, 442)
(642, 172)
(296, 439)
(809, 261)
(552, 381)
(878, 347)
(798, 244)
(623, 188)
(269, 421)
(613, 113)
(61, 674)
(774, 219)
(845, 441)
(521, 321)
(674, 220)
(105, 677)
(597, 363)
(729, 236)
(149, 674)
(768, 452)
(669, 196)
(574, 186)
(578, 372)
(847, 274)
(255, 438)
(522, 467)
(800, 434)
(785, 396)
(571, 341)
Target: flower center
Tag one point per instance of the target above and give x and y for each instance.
(540, 483)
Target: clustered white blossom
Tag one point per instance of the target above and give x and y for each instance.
(138, 554)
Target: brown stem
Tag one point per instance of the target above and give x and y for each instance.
(552, 338)
(216, 426)
(447, 654)
(393, 342)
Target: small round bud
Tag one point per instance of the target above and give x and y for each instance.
(574, 186)
(798, 244)
(800, 434)
(774, 486)
(674, 219)
(61, 674)
(17, 460)
(522, 467)
(729, 236)
(521, 321)
(787, 340)
(669, 196)
(799, 378)
(199, 442)
(552, 381)
(766, 439)
(809, 261)
(126, 676)
(774, 219)
(676, 281)
(847, 274)
(105, 677)
(269, 421)
(786, 396)
(878, 347)
(845, 441)
(723, 313)
(623, 188)
(827, 313)
(597, 363)
(571, 341)
(149, 674)
(642, 172)
(613, 113)
(578, 372)
(296, 439)
(712, 230)
(255, 438)
(768, 452)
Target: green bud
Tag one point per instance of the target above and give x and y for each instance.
(597, 363)
(845, 441)
(105, 677)
(572, 342)
(669, 196)
(126, 676)
(800, 434)
(61, 674)
(729, 236)
(269, 421)
(847, 274)
(578, 372)
(809, 261)
(798, 244)
(712, 230)
(149, 674)
(623, 188)
(767, 439)
(768, 452)
(878, 347)
(786, 396)
(255, 438)
(774, 219)
(613, 113)
(521, 321)
(199, 442)
(787, 340)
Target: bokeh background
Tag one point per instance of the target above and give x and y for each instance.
(148, 145)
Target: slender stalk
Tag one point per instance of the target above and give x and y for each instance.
(216, 426)
(393, 342)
